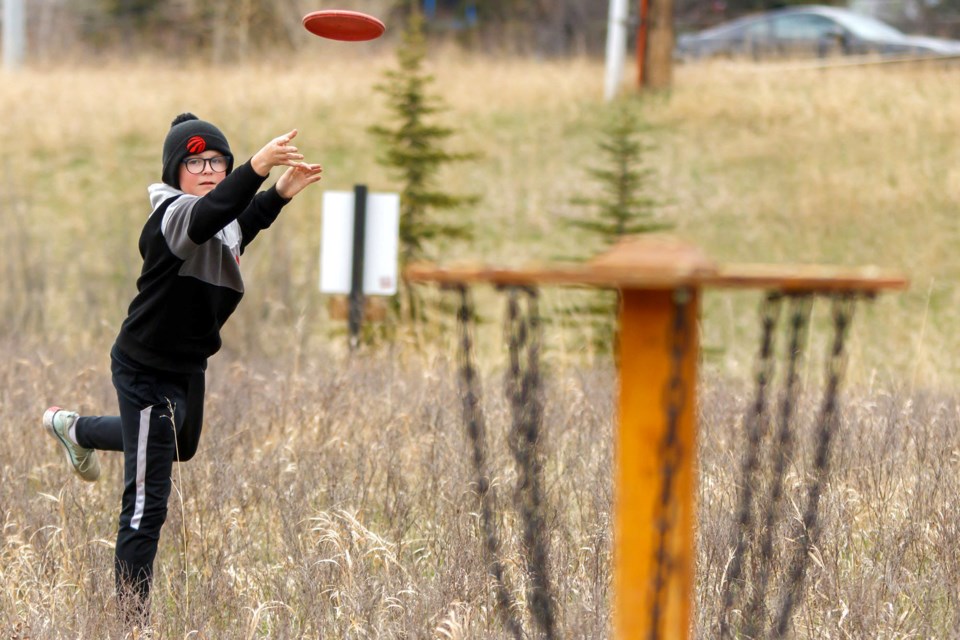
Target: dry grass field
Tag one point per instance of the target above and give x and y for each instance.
(331, 497)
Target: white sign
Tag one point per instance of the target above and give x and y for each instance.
(380, 245)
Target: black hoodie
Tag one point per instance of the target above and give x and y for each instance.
(191, 282)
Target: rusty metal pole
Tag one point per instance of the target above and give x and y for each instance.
(642, 6)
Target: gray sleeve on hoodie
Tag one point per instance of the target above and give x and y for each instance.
(176, 221)
(216, 261)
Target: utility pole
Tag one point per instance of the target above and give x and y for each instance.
(655, 44)
(616, 48)
(14, 34)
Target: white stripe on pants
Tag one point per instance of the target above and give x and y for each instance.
(141, 468)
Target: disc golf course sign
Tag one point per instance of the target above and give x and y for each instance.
(359, 247)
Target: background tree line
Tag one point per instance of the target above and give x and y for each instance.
(222, 30)
(225, 30)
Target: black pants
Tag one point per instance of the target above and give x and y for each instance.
(161, 414)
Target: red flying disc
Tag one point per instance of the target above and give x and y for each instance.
(339, 24)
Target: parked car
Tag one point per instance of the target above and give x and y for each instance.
(804, 31)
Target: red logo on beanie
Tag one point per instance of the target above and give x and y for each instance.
(196, 144)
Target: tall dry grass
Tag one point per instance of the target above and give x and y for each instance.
(336, 502)
(330, 496)
(886, 563)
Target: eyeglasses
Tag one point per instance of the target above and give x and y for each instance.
(218, 164)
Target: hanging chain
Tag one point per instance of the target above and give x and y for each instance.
(470, 393)
(800, 305)
(755, 423)
(671, 452)
(843, 307)
(524, 389)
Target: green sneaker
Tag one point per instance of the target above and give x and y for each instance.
(58, 422)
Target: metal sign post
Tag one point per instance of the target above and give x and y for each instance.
(355, 318)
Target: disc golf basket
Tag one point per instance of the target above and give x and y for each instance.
(660, 281)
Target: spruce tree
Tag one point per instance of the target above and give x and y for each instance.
(622, 206)
(412, 149)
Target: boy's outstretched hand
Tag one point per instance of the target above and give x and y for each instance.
(297, 178)
(275, 153)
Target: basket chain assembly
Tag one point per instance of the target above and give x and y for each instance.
(754, 535)
(756, 424)
(524, 390)
(759, 536)
(800, 308)
(828, 420)
(470, 393)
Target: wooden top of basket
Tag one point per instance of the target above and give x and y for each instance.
(659, 262)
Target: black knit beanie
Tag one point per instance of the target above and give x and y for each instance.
(189, 135)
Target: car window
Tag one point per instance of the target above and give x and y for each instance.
(758, 30)
(751, 31)
(734, 30)
(804, 27)
(870, 29)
